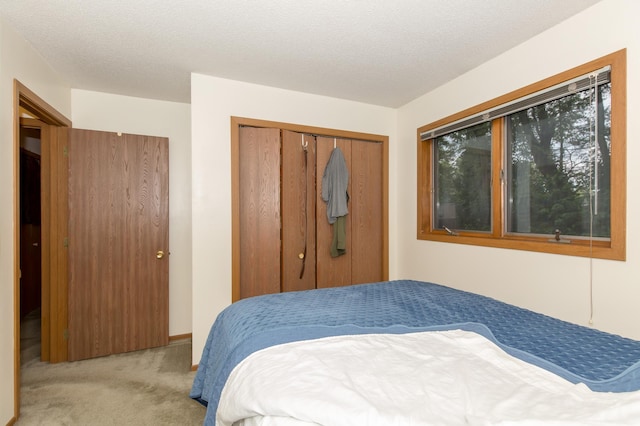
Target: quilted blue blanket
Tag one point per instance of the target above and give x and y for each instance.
(603, 361)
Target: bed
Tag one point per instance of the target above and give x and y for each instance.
(409, 353)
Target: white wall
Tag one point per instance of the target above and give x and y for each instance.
(115, 113)
(213, 102)
(17, 60)
(552, 284)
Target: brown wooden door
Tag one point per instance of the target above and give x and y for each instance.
(298, 211)
(363, 260)
(366, 208)
(281, 221)
(259, 196)
(118, 243)
(332, 271)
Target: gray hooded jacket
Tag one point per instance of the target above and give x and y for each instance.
(334, 186)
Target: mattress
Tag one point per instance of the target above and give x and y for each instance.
(450, 377)
(602, 361)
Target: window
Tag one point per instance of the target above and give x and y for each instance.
(540, 169)
(462, 173)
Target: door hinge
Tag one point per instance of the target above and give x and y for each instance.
(65, 334)
(65, 151)
(65, 242)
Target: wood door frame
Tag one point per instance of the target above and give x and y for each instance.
(236, 123)
(54, 287)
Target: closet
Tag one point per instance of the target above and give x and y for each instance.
(282, 236)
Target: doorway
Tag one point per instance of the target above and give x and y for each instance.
(112, 297)
(27, 103)
(30, 240)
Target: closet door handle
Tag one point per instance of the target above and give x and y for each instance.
(159, 254)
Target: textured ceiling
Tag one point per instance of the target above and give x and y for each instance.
(383, 52)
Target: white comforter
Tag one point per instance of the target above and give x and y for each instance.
(430, 378)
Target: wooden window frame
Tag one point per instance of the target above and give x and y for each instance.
(614, 249)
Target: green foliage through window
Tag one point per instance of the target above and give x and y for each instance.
(542, 168)
(557, 174)
(463, 177)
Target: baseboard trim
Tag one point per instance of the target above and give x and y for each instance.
(194, 367)
(180, 337)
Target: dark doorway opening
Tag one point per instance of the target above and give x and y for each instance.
(30, 243)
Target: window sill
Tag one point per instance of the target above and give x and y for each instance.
(581, 248)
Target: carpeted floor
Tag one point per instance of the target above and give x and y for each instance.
(149, 387)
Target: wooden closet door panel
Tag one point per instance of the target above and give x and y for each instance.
(259, 195)
(366, 212)
(331, 271)
(298, 212)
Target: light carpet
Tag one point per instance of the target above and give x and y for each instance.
(148, 387)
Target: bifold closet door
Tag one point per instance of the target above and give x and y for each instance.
(332, 271)
(298, 211)
(285, 235)
(362, 262)
(259, 196)
(365, 209)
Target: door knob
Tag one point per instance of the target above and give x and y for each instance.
(159, 254)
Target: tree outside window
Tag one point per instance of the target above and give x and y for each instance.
(542, 168)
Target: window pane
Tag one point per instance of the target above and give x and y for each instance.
(554, 178)
(462, 174)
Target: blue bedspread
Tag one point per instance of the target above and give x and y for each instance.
(603, 361)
